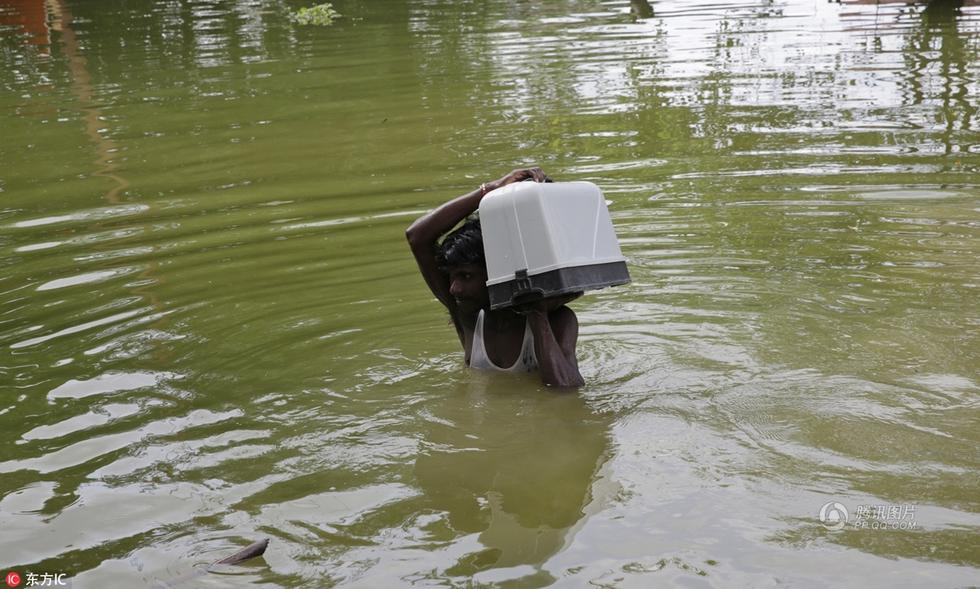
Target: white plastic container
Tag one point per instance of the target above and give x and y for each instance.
(548, 239)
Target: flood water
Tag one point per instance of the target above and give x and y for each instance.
(212, 331)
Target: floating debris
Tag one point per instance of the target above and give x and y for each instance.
(320, 15)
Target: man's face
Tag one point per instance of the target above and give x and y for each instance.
(468, 286)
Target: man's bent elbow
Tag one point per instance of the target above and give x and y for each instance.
(414, 237)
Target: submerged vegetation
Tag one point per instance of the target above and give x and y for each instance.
(321, 15)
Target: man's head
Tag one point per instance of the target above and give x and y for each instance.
(463, 246)
(461, 256)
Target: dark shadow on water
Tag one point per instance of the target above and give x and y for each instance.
(513, 463)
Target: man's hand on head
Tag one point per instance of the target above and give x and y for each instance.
(520, 175)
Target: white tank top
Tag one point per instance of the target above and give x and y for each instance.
(526, 360)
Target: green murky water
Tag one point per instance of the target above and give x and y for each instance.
(211, 330)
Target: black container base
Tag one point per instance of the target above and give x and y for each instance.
(524, 289)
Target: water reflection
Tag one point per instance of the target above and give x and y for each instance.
(514, 466)
(28, 18)
(938, 70)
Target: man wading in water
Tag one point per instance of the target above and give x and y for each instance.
(535, 336)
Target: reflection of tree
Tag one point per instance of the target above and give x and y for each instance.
(106, 148)
(641, 9)
(82, 85)
(29, 17)
(940, 26)
(517, 469)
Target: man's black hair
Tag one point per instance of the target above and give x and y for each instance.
(462, 246)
